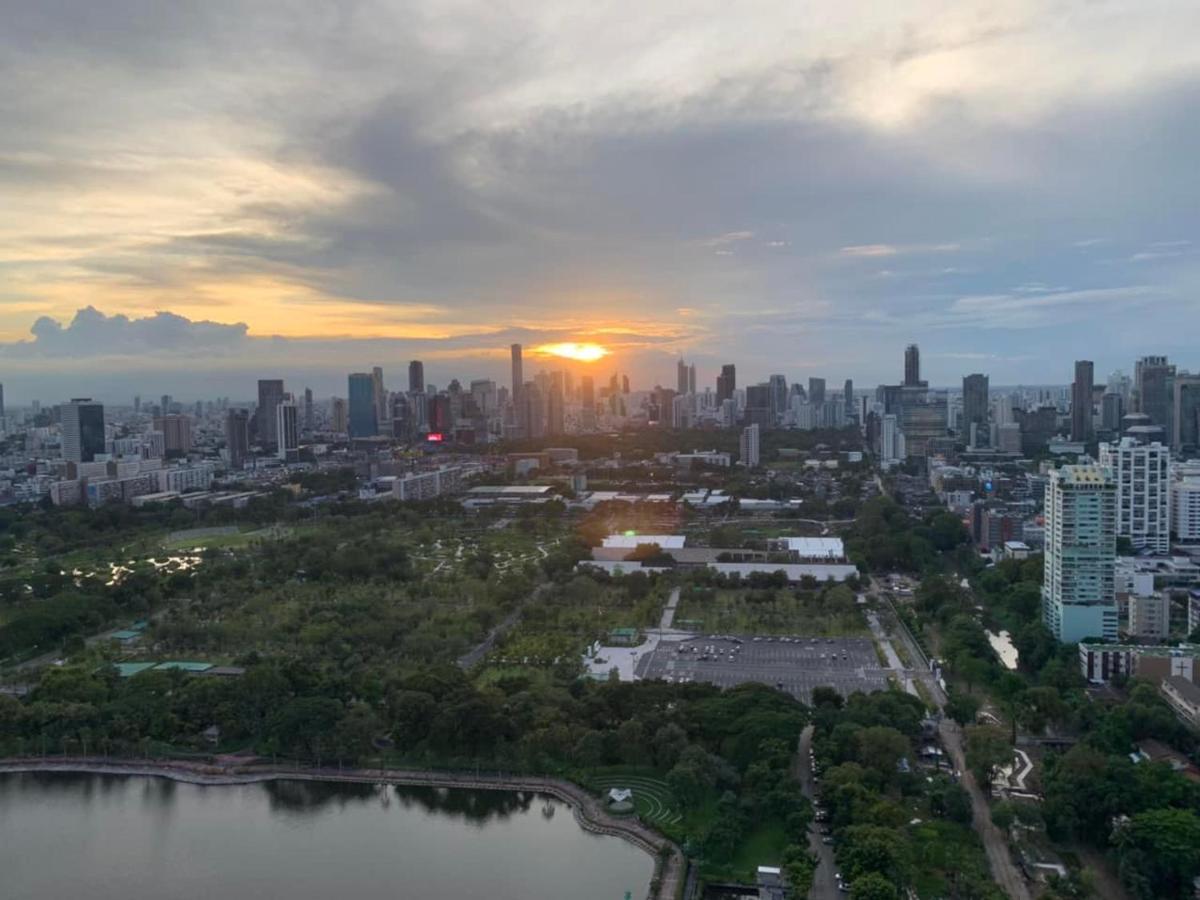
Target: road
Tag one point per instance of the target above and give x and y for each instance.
(824, 886)
(668, 615)
(995, 845)
(483, 648)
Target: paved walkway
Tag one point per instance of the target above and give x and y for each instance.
(668, 616)
(588, 809)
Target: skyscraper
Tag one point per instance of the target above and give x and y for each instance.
(692, 379)
(177, 433)
(1154, 390)
(912, 366)
(1081, 401)
(1, 401)
(681, 377)
(82, 430)
(518, 372)
(1142, 476)
(288, 430)
(362, 420)
(816, 391)
(339, 415)
(1186, 414)
(237, 437)
(270, 394)
(416, 377)
(379, 395)
(308, 409)
(779, 397)
(726, 383)
(749, 446)
(975, 401)
(1078, 591)
(848, 400)
(587, 402)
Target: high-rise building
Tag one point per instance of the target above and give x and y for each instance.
(1078, 591)
(1185, 415)
(555, 413)
(288, 430)
(1112, 410)
(416, 377)
(177, 433)
(816, 391)
(1142, 476)
(587, 402)
(308, 409)
(848, 400)
(379, 395)
(779, 398)
(339, 415)
(749, 446)
(270, 395)
(758, 404)
(165, 405)
(237, 437)
(1081, 401)
(137, 403)
(726, 383)
(975, 401)
(363, 421)
(518, 372)
(681, 377)
(912, 366)
(82, 424)
(1185, 503)
(1154, 391)
(532, 411)
(692, 379)
(2, 401)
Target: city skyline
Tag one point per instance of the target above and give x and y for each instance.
(838, 182)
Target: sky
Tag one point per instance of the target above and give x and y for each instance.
(200, 193)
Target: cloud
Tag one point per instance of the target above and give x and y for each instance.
(870, 250)
(91, 333)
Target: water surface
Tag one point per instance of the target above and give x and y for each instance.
(119, 838)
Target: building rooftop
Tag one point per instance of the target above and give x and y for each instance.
(632, 540)
(816, 548)
(513, 490)
(1083, 475)
(1184, 688)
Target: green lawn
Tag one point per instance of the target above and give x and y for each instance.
(828, 613)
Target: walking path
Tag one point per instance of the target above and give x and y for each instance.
(668, 616)
(587, 809)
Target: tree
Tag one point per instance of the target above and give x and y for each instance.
(799, 867)
(873, 886)
(1159, 852)
(881, 748)
(963, 708)
(987, 749)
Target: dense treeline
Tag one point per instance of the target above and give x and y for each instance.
(884, 538)
(896, 827)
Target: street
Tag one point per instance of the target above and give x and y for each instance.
(824, 886)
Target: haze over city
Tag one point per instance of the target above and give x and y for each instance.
(320, 186)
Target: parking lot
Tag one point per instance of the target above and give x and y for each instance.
(794, 664)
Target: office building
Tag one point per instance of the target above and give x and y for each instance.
(681, 377)
(379, 395)
(416, 377)
(1078, 591)
(816, 391)
(848, 400)
(531, 411)
(1154, 391)
(726, 383)
(749, 446)
(518, 372)
(82, 424)
(891, 441)
(1081, 401)
(758, 405)
(1185, 416)
(339, 415)
(363, 421)
(270, 395)
(975, 402)
(288, 431)
(779, 398)
(177, 433)
(1142, 476)
(308, 409)
(2, 402)
(1112, 410)
(587, 402)
(912, 366)
(237, 437)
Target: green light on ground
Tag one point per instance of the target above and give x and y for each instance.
(630, 533)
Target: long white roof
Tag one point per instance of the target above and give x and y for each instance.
(817, 547)
(631, 541)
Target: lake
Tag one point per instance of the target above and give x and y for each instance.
(122, 837)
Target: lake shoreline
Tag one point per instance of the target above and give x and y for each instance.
(587, 810)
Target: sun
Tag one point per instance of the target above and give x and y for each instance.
(571, 350)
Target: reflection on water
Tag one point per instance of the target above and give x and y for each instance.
(132, 837)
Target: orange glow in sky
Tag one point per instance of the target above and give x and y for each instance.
(578, 352)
